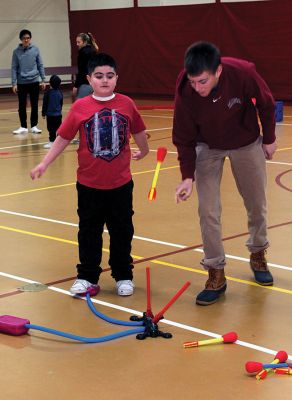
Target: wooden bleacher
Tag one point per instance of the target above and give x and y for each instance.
(61, 71)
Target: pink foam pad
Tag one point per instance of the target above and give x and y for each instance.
(13, 325)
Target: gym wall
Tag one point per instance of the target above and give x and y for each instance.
(148, 38)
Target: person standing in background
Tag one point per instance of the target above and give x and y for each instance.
(52, 108)
(26, 70)
(86, 47)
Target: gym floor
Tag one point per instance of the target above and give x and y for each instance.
(39, 253)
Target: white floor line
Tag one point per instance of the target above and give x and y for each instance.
(40, 143)
(142, 238)
(23, 145)
(164, 321)
(148, 130)
(158, 129)
(278, 163)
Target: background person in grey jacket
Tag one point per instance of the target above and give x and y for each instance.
(26, 70)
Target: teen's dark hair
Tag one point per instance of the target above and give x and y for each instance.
(99, 60)
(201, 57)
(24, 32)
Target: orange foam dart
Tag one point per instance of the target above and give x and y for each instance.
(161, 153)
(280, 357)
(230, 337)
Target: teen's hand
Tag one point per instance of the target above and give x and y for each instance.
(184, 190)
(269, 150)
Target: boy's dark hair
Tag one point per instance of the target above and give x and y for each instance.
(201, 57)
(55, 81)
(24, 32)
(99, 60)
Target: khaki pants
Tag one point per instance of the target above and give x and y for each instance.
(249, 170)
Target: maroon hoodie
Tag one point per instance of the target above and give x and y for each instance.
(227, 118)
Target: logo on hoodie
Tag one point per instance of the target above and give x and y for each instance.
(233, 101)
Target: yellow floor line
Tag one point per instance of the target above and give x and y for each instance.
(229, 278)
(38, 189)
(74, 183)
(167, 264)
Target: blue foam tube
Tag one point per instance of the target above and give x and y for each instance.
(279, 365)
(86, 339)
(108, 319)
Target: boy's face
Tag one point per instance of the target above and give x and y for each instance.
(103, 81)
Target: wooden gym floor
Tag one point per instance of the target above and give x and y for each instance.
(38, 233)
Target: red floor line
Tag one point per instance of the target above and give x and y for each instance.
(278, 180)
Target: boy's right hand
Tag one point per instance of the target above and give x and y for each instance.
(37, 171)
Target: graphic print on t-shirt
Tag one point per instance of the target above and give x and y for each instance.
(106, 134)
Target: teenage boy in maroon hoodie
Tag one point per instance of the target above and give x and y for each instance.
(215, 118)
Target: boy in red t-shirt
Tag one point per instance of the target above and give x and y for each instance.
(104, 121)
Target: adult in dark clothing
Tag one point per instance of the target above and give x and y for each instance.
(87, 46)
(52, 108)
(215, 118)
(27, 69)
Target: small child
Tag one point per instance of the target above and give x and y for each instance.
(52, 109)
(105, 120)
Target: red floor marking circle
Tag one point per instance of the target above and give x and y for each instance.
(5, 154)
(279, 177)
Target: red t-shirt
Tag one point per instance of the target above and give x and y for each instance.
(104, 127)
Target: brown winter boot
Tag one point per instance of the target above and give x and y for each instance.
(215, 285)
(258, 264)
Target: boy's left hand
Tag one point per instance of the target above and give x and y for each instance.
(137, 155)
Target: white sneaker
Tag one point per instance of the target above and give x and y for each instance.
(125, 288)
(20, 131)
(81, 286)
(35, 129)
(48, 145)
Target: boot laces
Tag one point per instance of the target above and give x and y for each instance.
(214, 281)
(258, 261)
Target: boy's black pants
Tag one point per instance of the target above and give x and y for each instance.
(113, 208)
(53, 123)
